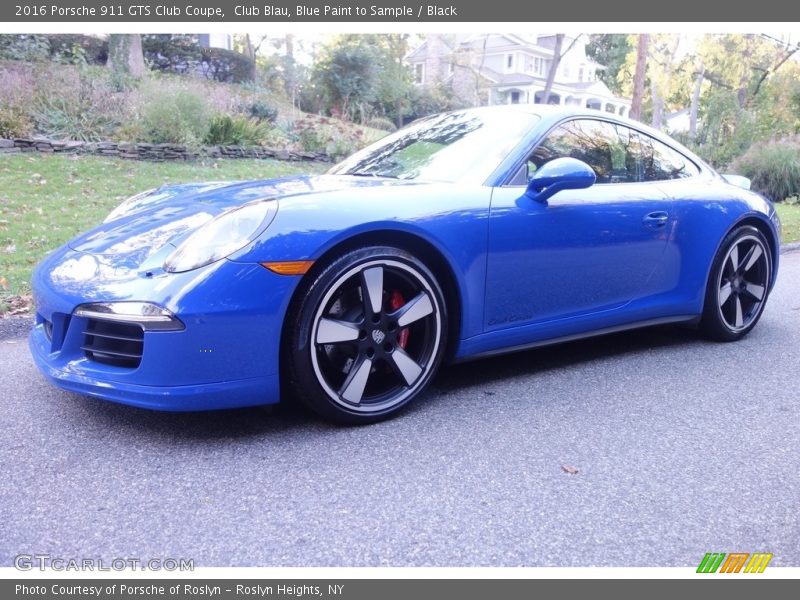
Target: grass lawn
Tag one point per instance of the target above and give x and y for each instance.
(790, 221)
(46, 200)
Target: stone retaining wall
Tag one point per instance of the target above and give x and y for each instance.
(154, 152)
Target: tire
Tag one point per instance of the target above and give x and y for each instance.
(738, 286)
(365, 335)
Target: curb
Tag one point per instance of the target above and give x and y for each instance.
(791, 247)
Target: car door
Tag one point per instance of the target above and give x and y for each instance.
(583, 251)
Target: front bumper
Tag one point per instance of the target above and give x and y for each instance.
(227, 355)
(175, 398)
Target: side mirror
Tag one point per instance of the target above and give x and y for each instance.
(559, 174)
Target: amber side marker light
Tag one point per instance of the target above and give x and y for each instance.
(289, 267)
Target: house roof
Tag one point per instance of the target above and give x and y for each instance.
(593, 88)
(510, 78)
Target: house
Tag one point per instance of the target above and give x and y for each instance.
(215, 40)
(512, 69)
(678, 121)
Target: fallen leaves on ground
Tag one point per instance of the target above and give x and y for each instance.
(17, 305)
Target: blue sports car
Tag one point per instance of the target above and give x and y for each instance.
(463, 235)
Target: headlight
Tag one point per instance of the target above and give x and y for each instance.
(127, 205)
(222, 236)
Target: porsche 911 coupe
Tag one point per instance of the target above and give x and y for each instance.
(462, 235)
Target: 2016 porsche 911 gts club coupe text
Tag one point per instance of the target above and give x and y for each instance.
(465, 234)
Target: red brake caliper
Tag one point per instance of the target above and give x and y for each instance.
(396, 300)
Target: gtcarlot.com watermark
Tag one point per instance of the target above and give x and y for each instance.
(44, 562)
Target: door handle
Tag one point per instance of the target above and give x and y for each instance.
(656, 219)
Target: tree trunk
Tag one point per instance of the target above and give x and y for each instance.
(639, 76)
(551, 74)
(289, 66)
(125, 56)
(658, 105)
(693, 108)
(742, 92)
(250, 52)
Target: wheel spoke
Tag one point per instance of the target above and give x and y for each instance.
(372, 288)
(725, 293)
(739, 317)
(752, 257)
(334, 331)
(735, 258)
(418, 307)
(755, 290)
(406, 366)
(356, 382)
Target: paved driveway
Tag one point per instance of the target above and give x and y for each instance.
(681, 447)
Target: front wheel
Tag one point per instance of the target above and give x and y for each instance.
(367, 336)
(738, 286)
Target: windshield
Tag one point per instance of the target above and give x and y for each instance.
(464, 146)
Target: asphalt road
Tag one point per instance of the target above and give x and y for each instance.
(681, 447)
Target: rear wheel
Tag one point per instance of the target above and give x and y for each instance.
(739, 285)
(367, 336)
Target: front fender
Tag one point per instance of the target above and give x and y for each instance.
(452, 219)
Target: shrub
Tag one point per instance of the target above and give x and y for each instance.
(772, 167)
(176, 116)
(28, 48)
(61, 119)
(181, 54)
(381, 123)
(236, 130)
(334, 138)
(262, 111)
(76, 104)
(228, 66)
(14, 122)
(78, 49)
(172, 53)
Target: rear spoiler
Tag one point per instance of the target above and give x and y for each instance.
(737, 180)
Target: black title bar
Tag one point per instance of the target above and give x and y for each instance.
(383, 11)
(391, 589)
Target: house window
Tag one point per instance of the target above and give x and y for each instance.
(528, 64)
(509, 61)
(419, 73)
(537, 65)
(580, 74)
(566, 70)
(514, 97)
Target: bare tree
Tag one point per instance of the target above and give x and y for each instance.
(554, 64)
(663, 55)
(250, 50)
(125, 56)
(639, 76)
(658, 105)
(694, 106)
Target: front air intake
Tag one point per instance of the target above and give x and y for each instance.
(112, 343)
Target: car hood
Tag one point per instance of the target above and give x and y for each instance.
(152, 226)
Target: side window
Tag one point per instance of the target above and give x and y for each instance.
(607, 148)
(659, 162)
